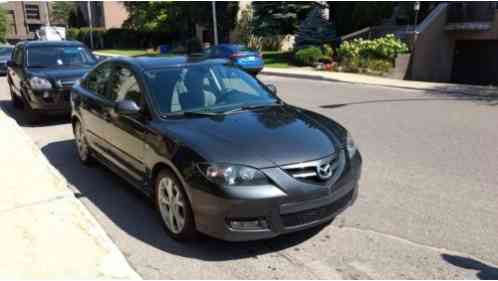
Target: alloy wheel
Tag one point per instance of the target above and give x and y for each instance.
(81, 142)
(171, 205)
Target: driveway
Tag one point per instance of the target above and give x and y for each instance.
(428, 203)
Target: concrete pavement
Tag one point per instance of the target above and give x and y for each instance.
(427, 207)
(46, 232)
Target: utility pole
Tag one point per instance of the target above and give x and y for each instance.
(90, 23)
(215, 25)
(416, 8)
(48, 13)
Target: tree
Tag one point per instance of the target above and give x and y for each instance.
(181, 17)
(61, 11)
(315, 30)
(3, 25)
(278, 17)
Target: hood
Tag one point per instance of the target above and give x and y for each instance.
(61, 73)
(271, 137)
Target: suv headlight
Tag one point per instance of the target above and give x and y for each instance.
(38, 83)
(232, 175)
(351, 147)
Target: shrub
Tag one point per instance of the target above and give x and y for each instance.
(308, 56)
(379, 66)
(119, 37)
(387, 47)
(327, 51)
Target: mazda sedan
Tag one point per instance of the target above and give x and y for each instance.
(217, 150)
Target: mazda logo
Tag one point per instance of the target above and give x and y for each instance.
(324, 171)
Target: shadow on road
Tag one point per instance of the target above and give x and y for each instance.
(21, 116)
(491, 101)
(485, 272)
(135, 214)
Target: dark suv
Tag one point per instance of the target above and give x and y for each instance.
(41, 73)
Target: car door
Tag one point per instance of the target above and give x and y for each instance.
(127, 132)
(16, 73)
(95, 107)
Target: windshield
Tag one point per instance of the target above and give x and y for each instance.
(48, 56)
(5, 51)
(215, 88)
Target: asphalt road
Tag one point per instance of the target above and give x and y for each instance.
(428, 205)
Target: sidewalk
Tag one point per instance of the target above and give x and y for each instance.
(46, 232)
(308, 73)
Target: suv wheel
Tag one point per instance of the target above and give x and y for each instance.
(82, 146)
(174, 207)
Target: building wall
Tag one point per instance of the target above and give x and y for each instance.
(115, 14)
(432, 57)
(20, 27)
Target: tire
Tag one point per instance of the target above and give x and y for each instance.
(32, 117)
(169, 193)
(84, 150)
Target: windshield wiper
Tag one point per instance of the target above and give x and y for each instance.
(251, 107)
(37, 66)
(191, 113)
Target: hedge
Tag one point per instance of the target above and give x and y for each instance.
(119, 38)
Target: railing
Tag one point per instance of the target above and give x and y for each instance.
(465, 12)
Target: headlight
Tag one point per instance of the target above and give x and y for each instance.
(351, 147)
(232, 175)
(38, 83)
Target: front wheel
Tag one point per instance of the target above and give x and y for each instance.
(82, 144)
(174, 207)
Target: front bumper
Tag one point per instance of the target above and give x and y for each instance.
(282, 214)
(57, 102)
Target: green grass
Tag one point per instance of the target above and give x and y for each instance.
(127, 52)
(276, 59)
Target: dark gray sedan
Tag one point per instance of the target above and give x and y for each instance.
(5, 54)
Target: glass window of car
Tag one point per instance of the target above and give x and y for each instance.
(124, 86)
(50, 56)
(18, 56)
(5, 51)
(96, 80)
(208, 87)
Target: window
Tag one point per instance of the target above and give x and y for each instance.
(18, 56)
(96, 80)
(124, 86)
(49, 56)
(32, 11)
(205, 87)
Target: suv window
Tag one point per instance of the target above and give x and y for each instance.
(96, 80)
(124, 86)
(18, 57)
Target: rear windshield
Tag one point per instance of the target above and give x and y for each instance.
(240, 48)
(5, 51)
(48, 56)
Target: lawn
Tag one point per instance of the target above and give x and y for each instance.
(276, 59)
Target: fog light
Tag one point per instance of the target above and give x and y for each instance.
(248, 224)
(46, 95)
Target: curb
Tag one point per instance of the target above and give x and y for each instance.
(94, 230)
(467, 90)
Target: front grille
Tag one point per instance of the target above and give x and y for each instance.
(313, 215)
(308, 171)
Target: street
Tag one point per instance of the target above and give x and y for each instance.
(427, 209)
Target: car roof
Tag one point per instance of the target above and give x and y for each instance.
(149, 63)
(58, 43)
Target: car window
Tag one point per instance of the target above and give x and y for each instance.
(205, 87)
(49, 56)
(5, 51)
(96, 80)
(18, 57)
(124, 86)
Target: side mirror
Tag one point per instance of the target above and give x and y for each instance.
(272, 88)
(127, 107)
(11, 63)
